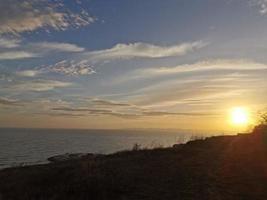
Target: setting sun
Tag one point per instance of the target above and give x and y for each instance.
(239, 116)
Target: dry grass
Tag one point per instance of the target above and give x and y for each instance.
(223, 167)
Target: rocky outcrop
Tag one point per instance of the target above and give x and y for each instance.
(69, 156)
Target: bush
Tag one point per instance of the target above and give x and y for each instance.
(263, 119)
(136, 147)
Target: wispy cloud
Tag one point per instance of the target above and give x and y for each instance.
(28, 73)
(58, 114)
(102, 102)
(82, 63)
(14, 49)
(18, 16)
(56, 46)
(203, 66)
(9, 42)
(174, 94)
(12, 55)
(8, 102)
(164, 113)
(10, 49)
(102, 107)
(262, 4)
(124, 114)
(145, 50)
(37, 85)
(36, 106)
(208, 82)
(89, 110)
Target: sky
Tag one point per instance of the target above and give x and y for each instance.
(118, 64)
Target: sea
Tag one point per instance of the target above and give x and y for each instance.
(19, 147)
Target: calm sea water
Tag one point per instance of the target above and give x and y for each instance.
(31, 146)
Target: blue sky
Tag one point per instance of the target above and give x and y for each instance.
(131, 64)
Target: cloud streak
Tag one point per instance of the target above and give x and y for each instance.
(203, 66)
(14, 49)
(144, 50)
(121, 114)
(101, 102)
(28, 73)
(8, 42)
(56, 47)
(14, 55)
(8, 102)
(102, 107)
(37, 85)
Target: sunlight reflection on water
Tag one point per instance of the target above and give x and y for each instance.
(18, 146)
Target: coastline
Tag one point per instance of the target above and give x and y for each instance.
(219, 167)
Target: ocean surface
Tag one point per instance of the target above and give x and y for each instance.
(32, 146)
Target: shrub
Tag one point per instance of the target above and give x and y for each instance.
(136, 147)
(263, 118)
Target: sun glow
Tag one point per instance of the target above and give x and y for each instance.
(239, 116)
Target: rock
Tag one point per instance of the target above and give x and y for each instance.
(176, 145)
(69, 156)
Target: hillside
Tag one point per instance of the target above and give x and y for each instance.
(221, 167)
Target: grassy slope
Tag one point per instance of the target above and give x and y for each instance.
(224, 167)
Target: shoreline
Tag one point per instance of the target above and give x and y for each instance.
(218, 167)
